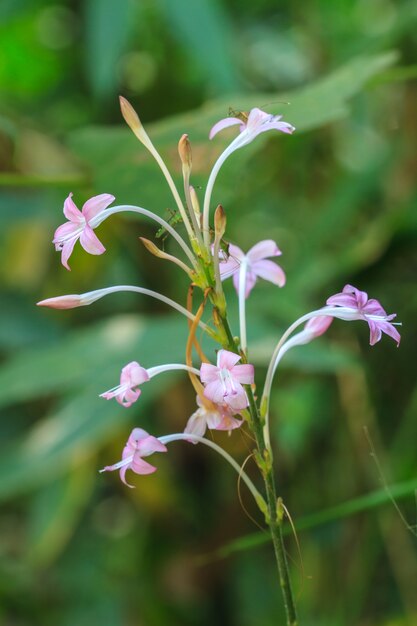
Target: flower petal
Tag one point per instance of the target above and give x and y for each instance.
(133, 374)
(139, 466)
(238, 400)
(65, 231)
(268, 270)
(208, 373)
(196, 424)
(148, 445)
(90, 242)
(214, 391)
(71, 212)
(227, 359)
(244, 374)
(263, 249)
(67, 249)
(96, 204)
(224, 123)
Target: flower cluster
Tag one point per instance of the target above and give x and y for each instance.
(225, 390)
(226, 395)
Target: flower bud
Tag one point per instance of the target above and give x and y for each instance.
(184, 150)
(219, 222)
(132, 120)
(195, 202)
(62, 302)
(152, 248)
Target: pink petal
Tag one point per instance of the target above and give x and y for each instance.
(208, 373)
(139, 466)
(268, 270)
(128, 397)
(67, 249)
(319, 325)
(90, 242)
(196, 424)
(133, 374)
(243, 373)
(263, 249)
(65, 231)
(375, 334)
(224, 123)
(229, 423)
(373, 307)
(238, 400)
(95, 205)
(343, 299)
(71, 212)
(227, 359)
(122, 475)
(149, 445)
(284, 127)
(391, 331)
(214, 391)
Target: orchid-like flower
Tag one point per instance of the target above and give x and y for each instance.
(139, 444)
(133, 375)
(79, 227)
(352, 304)
(214, 417)
(224, 381)
(257, 122)
(128, 391)
(255, 264)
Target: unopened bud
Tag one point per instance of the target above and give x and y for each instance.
(62, 302)
(184, 150)
(132, 120)
(152, 248)
(219, 222)
(194, 201)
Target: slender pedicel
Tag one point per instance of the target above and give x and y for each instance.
(74, 300)
(209, 189)
(207, 442)
(133, 121)
(242, 303)
(96, 221)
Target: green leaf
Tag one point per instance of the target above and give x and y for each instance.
(370, 501)
(108, 24)
(118, 162)
(213, 53)
(56, 510)
(95, 353)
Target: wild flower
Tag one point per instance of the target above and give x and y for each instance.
(80, 226)
(227, 397)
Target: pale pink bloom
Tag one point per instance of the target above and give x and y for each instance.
(79, 227)
(352, 304)
(218, 417)
(224, 381)
(139, 445)
(256, 263)
(257, 122)
(128, 391)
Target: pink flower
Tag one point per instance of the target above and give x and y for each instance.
(139, 444)
(79, 227)
(131, 377)
(257, 265)
(224, 381)
(353, 304)
(217, 417)
(257, 122)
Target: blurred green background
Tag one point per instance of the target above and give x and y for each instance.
(340, 199)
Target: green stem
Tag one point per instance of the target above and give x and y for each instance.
(275, 515)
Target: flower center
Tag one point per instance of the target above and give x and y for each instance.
(227, 382)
